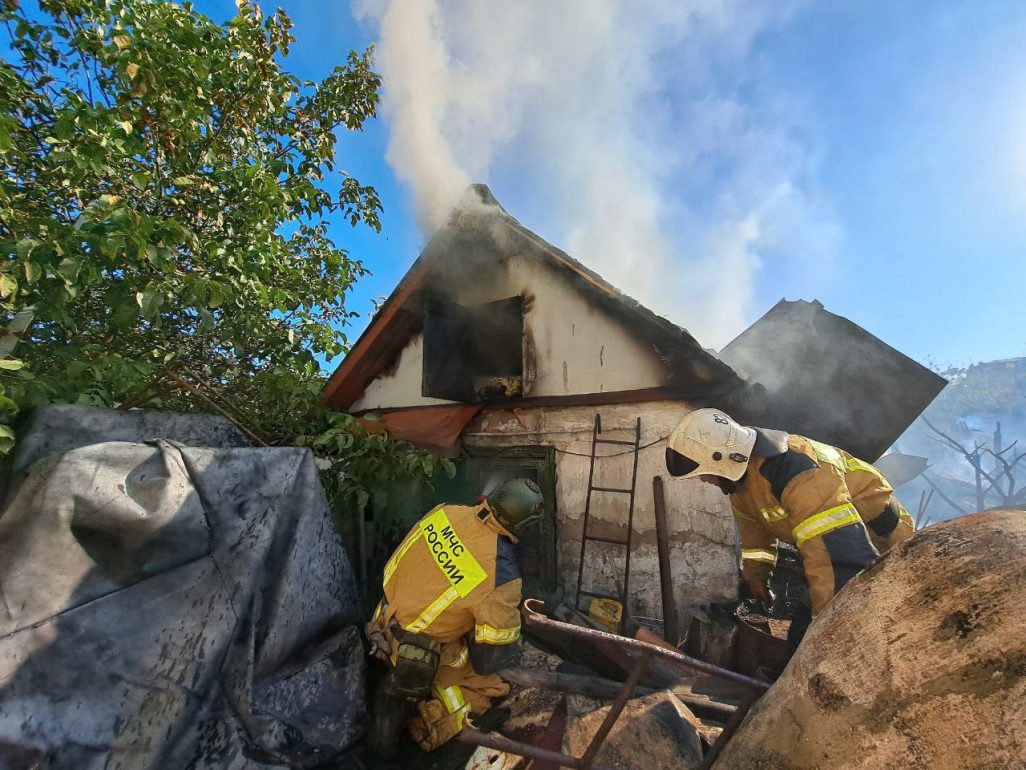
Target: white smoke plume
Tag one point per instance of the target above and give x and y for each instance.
(635, 128)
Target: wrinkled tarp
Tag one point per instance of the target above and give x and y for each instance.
(164, 606)
(54, 429)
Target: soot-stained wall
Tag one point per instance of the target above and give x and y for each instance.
(702, 544)
(570, 347)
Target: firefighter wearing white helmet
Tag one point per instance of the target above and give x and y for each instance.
(838, 510)
(708, 442)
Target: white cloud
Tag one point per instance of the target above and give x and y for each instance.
(638, 123)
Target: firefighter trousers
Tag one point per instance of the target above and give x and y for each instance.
(458, 691)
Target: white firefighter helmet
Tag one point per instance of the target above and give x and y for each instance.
(709, 442)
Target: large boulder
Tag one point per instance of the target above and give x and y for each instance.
(918, 662)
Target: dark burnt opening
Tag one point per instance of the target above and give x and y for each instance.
(475, 353)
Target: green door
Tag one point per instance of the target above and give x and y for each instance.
(482, 470)
(478, 472)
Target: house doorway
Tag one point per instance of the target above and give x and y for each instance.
(482, 470)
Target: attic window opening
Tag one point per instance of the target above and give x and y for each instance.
(476, 353)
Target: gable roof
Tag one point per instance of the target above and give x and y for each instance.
(480, 223)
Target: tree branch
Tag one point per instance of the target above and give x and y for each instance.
(944, 497)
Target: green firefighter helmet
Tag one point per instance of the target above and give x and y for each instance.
(516, 503)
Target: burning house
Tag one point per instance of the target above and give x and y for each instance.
(500, 348)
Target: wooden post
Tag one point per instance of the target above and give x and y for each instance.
(671, 624)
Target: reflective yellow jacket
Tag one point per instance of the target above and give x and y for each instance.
(820, 499)
(455, 573)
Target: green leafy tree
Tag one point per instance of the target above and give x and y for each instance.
(165, 188)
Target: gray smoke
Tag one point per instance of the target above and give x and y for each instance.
(623, 123)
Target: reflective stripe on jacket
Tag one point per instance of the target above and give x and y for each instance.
(454, 574)
(817, 497)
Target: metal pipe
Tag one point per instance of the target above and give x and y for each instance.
(671, 624)
(614, 711)
(728, 732)
(499, 743)
(534, 617)
(601, 688)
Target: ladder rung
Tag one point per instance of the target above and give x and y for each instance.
(621, 442)
(613, 489)
(605, 540)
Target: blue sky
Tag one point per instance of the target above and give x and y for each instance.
(906, 127)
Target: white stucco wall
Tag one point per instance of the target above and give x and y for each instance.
(702, 545)
(575, 347)
(402, 385)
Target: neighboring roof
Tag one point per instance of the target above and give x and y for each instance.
(829, 379)
(480, 229)
(900, 468)
(1003, 362)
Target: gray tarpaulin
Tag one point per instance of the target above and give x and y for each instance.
(54, 429)
(165, 606)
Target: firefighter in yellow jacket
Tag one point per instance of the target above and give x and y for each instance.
(838, 510)
(450, 614)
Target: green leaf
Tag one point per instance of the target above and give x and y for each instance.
(23, 248)
(77, 368)
(149, 302)
(69, 268)
(362, 498)
(64, 127)
(215, 296)
(8, 285)
(6, 438)
(11, 364)
(33, 272)
(126, 315)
